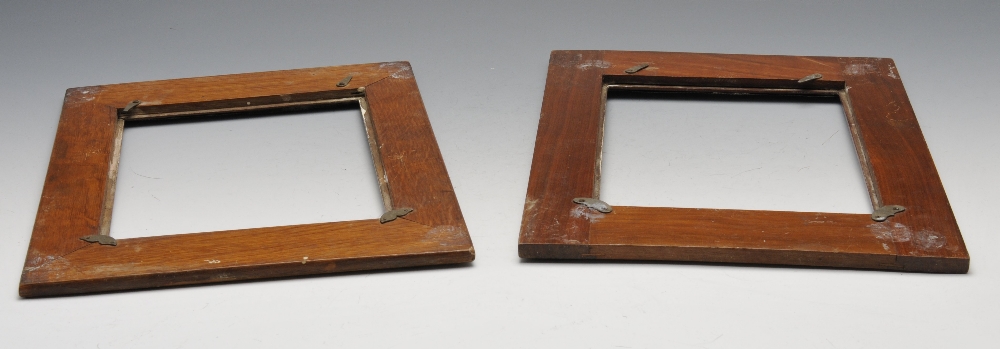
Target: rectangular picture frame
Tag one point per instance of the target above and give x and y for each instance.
(912, 227)
(71, 251)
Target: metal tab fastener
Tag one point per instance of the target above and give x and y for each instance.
(884, 212)
(811, 77)
(131, 105)
(346, 81)
(636, 69)
(393, 214)
(596, 204)
(101, 239)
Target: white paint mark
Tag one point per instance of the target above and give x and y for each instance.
(892, 72)
(82, 94)
(305, 259)
(589, 214)
(213, 261)
(402, 70)
(39, 262)
(446, 235)
(593, 63)
(404, 73)
(390, 65)
(530, 204)
(896, 232)
(929, 240)
(859, 69)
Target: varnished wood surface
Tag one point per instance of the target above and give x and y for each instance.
(825, 232)
(428, 191)
(903, 168)
(247, 254)
(570, 120)
(897, 163)
(77, 186)
(737, 236)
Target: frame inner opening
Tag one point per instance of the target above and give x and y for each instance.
(777, 152)
(234, 170)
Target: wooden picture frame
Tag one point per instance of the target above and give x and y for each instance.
(894, 158)
(423, 225)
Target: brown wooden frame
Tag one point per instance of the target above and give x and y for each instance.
(79, 187)
(894, 158)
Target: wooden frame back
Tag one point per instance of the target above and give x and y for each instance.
(894, 158)
(79, 187)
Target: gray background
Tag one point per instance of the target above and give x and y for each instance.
(481, 69)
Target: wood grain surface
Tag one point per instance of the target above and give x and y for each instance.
(80, 181)
(892, 152)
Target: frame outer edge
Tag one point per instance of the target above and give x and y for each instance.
(869, 82)
(904, 169)
(83, 147)
(84, 142)
(548, 211)
(413, 162)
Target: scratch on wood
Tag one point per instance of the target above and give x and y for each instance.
(815, 61)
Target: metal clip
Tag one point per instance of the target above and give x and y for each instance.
(344, 82)
(636, 69)
(360, 90)
(101, 239)
(393, 214)
(130, 105)
(811, 77)
(884, 212)
(596, 204)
